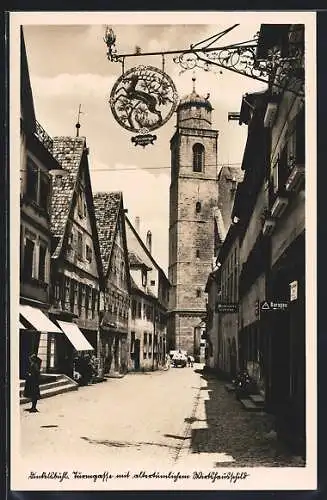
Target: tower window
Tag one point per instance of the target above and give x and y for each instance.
(198, 292)
(198, 157)
(198, 207)
(198, 254)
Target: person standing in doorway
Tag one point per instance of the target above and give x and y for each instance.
(32, 383)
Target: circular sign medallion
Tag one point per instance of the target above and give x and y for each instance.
(143, 99)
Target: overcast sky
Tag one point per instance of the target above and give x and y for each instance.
(68, 67)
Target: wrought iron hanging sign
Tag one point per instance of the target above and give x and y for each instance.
(142, 100)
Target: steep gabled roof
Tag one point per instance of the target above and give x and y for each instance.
(26, 95)
(68, 151)
(108, 207)
(136, 261)
(71, 153)
(143, 246)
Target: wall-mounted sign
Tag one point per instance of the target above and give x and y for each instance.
(222, 307)
(273, 306)
(293, 290)
(143, 99)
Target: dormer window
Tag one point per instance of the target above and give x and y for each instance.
(198, 157)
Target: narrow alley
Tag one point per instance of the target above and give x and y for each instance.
(180, 416)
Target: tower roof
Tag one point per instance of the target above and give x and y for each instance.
(194, 99)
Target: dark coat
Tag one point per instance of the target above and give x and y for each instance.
(32, 383)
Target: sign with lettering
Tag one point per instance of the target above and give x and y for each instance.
(227, 307)
(273, 306)
(143, 140)
(293, 290)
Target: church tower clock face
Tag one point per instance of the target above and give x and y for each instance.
(193, 197)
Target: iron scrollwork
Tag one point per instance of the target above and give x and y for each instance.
(282, 71)
(143, 99)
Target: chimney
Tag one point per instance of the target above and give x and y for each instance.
(137, 225)
(149, 241)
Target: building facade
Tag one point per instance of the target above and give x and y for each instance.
(36, 163)
(285, 226)
(193, 198)
(149, 305)
(115, 297)
(76, 268)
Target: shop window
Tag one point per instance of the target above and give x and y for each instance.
(198, 157)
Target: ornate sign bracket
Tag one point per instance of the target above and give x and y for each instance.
(284, 70)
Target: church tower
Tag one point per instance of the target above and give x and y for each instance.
(193, 197)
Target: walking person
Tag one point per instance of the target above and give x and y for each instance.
(32, 383)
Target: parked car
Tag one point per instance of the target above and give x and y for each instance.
(178, 358)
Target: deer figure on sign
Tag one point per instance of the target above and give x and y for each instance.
(132, 93)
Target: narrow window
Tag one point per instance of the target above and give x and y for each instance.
(79, 245)
(42, 262)
(198, 254)
(132, 342)
(198, 157)
(198, 207)
(44, 191)
(198, 292)
(72, 295)
(32, 180)
(29, 250)
(145, 347)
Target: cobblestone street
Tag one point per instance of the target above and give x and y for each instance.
(180, 416)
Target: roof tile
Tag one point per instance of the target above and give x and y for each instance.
(106, 207)
(68, 152)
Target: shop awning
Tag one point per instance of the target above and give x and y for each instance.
(75, 336)
(38, 319)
